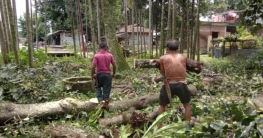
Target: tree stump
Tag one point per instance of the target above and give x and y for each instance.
(80, 84)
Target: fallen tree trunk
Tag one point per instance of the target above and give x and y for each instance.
(10, 110)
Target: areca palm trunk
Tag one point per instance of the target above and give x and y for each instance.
(187, 28)
(174, 20)
(169, 21)
(93, 37)
(110, 17)
(3, 37)
(73, 28)
(3, 44)
(81, 30)
(86, 36)
(144, 46)
(192, 31)
(138, 38)
(140, 20)
(46, 26)
(198, 30)
(15, 21)
(162, 30)
(36, 24)
(126, 23)
(182, 27)
(13, 32)
(29, 35)
(150, 30)
(133, 46)
(98, 18)
(6, 27)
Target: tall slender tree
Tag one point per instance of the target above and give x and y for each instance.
(98, 19)
(81, 30)
(110, 19)
(15, 21)
(192, 30)
(7, 27)
(86, 21)
(169, 20)
(162, 30)
(198, 30)
(174, 20)
(13, 32)
(46, 26)
(29, 35)
(36, 23)
(3, 44)
(182, 33)
(91, 20)
(187, 27)
(150, 29)
(4, 39)
(126, 22)
(133, 46)
(72, 10)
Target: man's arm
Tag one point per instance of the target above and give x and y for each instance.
(162, 68)
(93, 70)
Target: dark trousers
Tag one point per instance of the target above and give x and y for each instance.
(104, 86)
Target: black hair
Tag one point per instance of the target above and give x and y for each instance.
(172, 45)
(102, 45)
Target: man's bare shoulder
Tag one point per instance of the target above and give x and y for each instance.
(163, 56)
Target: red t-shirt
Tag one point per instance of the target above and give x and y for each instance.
(103, 59)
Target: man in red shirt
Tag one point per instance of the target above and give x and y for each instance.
(101, 62)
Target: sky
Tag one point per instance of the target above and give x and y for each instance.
(20, 7)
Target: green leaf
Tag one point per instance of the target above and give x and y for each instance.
(260, 131)
(247, 129)
(69, 116)
(215, 126)
(1, 91)
(158, 120)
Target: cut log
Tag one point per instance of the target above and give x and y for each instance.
(67, 132)
(123, 118)
(191, 65)
(10, 110)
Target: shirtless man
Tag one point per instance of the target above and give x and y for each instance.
(173, 68)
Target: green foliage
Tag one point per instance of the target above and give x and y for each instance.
(40, 57)
(231, 37)
(153, 132)
(41, 27)
(224, 114)
(251, 14)
(39, 85)
(245, 35)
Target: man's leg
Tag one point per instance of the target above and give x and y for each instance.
(99, 93)
(160, 111)
(107, 86)
(187, 113)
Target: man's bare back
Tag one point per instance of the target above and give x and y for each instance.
(174, 67)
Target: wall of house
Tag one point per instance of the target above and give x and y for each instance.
(145, 36)
(68, 39)
(206, 31)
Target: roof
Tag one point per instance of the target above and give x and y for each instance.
(205, 23)
(129, 29)
(57, 32)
